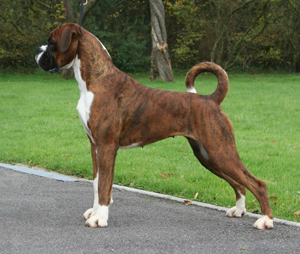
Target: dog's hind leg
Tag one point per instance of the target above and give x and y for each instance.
(231, 168)
(237, 211)
(258, 187)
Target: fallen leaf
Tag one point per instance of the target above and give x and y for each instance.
(243, 248)
(295, 147)
(196, 195)
(275, 143)
(267, 155)
(163, 175)
(168, 175)
(133, 169)
(181, 149)
(298, 192)
(66, 155)
(182, 176)
(253, 200)
(296, 214)
(187, 202)
(75, 116)
(131, 184)
(275, 197)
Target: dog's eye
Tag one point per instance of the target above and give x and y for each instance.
(52, 44)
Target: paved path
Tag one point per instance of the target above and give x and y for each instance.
(42, 215)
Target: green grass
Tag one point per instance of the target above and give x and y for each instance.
(40, 127)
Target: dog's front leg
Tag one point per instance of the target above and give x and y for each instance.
(92, 211)
(103, 166)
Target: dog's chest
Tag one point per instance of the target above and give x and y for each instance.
(84, 103)
(84, 107)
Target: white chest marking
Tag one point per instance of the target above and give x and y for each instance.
(85, 100)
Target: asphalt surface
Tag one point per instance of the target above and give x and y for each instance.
(42, 215)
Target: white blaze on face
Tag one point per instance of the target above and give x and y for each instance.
(42, 51)
(85, 100)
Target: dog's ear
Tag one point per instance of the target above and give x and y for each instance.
(66, 36)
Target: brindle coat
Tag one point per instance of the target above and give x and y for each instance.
(124, 112)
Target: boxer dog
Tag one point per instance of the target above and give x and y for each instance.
(117, 112)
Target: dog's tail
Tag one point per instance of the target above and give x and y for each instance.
(223, 84)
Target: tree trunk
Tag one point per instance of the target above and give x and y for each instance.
(160, 59)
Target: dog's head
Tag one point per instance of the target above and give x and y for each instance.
(61, 49)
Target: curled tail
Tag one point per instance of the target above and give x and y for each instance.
(223, 84)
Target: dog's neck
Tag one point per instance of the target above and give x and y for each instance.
(92, 57)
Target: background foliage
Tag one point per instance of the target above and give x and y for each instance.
(24, 25)
(124, 29)
(238, 34)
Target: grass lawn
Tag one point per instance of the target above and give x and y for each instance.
(40, 127)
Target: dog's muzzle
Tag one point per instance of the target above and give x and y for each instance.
(45, 60)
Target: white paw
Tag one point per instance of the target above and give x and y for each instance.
(89, 213)
(264, 223)
(96, 221)
(236, 212)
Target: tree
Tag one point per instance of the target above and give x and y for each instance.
(280, 46)
(160, 59)
(123, 26)
(236, 25)
(88, 5)
(224, 32)
(23, 25)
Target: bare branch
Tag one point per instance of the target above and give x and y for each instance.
(43, 4)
